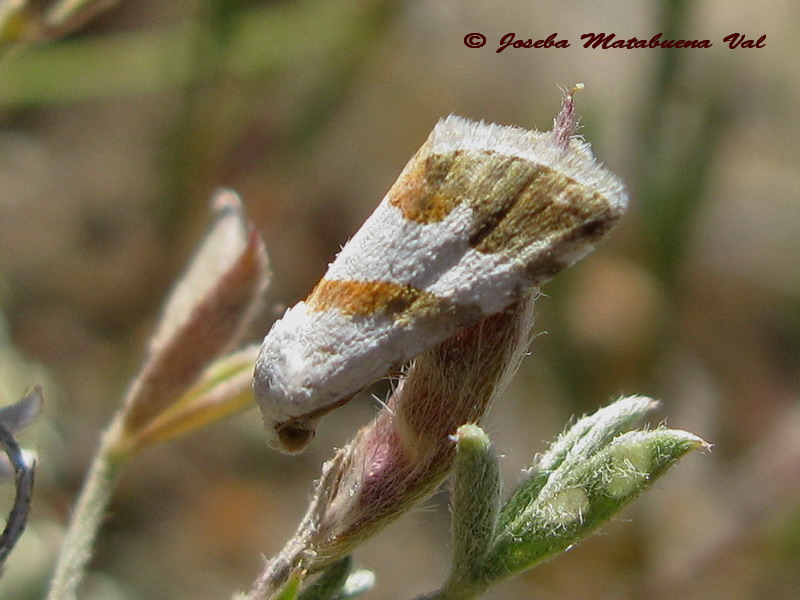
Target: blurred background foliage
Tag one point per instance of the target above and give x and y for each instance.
(114, 135)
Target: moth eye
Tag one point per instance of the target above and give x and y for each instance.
(293, 437)
(593, 229)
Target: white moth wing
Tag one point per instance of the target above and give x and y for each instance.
(480, 216)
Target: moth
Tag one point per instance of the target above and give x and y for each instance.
(480, 216)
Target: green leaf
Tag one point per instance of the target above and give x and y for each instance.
(582, 494)
(573, 446)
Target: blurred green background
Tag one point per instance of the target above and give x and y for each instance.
(113, 137)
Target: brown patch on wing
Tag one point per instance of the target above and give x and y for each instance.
(433, 185)
(546, 266)
(352, 297)
(515, 201)
(402, 303)
(498, 195)
(547, 204)
(422, 193)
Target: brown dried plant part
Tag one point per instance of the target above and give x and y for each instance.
(184, 383)
(204, 316)
(224, 388)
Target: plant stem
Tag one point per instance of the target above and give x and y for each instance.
(76, 549)
(23, 475)
(443, 594)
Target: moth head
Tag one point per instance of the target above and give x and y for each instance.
(291, 406)
(293, 435)
(288, 434)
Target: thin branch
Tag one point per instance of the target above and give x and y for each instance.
(23, 479)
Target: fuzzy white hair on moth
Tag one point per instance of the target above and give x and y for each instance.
(481, 216)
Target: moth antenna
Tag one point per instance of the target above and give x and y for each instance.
(565, 123)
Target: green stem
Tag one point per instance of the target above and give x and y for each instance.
(461, 594)
(90, 509)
